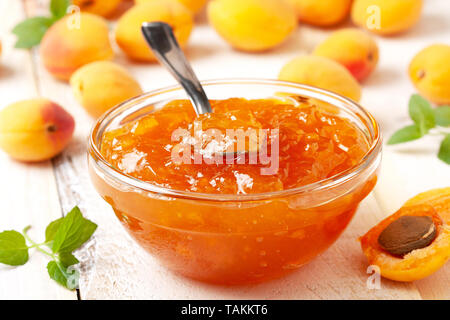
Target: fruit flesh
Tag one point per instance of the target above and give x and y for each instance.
(35, 130)
(67, 47)
(252, 25)
(430, 73)
(236, 242)
(128, 32)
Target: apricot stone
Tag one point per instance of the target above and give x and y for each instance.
(128, 32)
(101, 85)
(103, 8)
(35, 130)
(193, 5)
(252, 25)
(74, 41)
(386, 17)
(323, 73)
(322, 13)
(353, 48)
(430, 72)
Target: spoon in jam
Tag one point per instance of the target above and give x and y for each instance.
(165, 47)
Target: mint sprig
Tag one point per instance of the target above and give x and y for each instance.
(31, 31)
(426, 120)
(62, 237)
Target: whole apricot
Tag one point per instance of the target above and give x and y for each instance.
(386, 17)
(430, 72)
(74, 41)
(193, 5)
(35, 130)
(101, 85)
(322, 13)
(252, 25)
(101, 7)
(323, 73)
(353, 48)
(128, 31)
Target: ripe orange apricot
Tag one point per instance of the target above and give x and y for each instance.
(419, 263)
(35, 130)
(101, 7)
(252, 25)
(74, 41)
(322, 13)
(193, 5)
(128, 31)
(353, 48)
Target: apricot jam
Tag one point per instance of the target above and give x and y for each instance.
(242, 240)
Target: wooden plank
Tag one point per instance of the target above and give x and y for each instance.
(28, 193)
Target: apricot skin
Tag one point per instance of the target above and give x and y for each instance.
(354, 49)
(323, 73)
(70, 44)
(102, 85)
(103, 8)
(193, 5)
(386, 17)
(322, 13)
(35, 130)
(430, 73)
(419, 263)
(252, 25)
(128, 31)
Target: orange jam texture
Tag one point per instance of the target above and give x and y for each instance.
(313, 145)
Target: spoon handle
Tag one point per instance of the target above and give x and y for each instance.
(162, 41)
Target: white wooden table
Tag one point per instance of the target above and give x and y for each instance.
(113, 266)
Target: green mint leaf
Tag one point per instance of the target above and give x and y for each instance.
(405, 134)
(67, 277)
(58, 8)
(444, 150)
(13, 248)
(73, 231)
(30, 32)
(67, 259)
(421, 113)
(442, 115)
(51, 230)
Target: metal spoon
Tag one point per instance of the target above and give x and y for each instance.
(160, 38)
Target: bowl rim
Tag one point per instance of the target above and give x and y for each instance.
(369, 158)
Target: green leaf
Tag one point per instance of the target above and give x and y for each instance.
(442, 116)
(30, 32)
(444, 150)
(58, 8)
(67, 277)
(73, 231)
(51, 229)
(68, 259)
(405, 134)
(421, 113)
(13, 248)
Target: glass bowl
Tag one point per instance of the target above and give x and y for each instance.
(236, 239)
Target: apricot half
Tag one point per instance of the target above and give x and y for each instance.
(35, 130)
(323, 73)
(128, 32)
(421, 262)
(430, 73)
(322, 13)
(386, 17)
(74, 41)
(101, 85)
(193, 5)
(103, 8)
(353, 48)
(252, 25)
